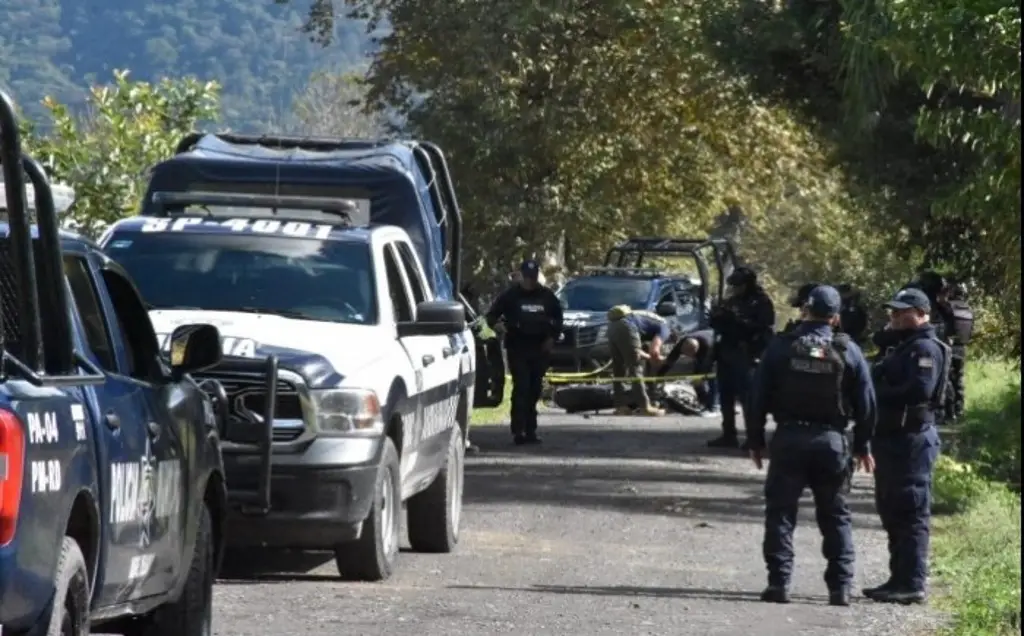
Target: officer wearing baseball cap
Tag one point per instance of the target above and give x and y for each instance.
(531, 319)
(812, 381)
(910, 383)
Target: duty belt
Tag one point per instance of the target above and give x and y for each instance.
(816, 425)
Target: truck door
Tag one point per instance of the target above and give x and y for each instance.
(426, 355)
(168, 410)
(124, 442)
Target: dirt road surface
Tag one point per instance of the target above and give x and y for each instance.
(613, 526)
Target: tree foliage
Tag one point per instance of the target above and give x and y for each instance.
(105, 156)
(958, 48)
(601, 119)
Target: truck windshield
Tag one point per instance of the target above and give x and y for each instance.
(600, 293)
(297, 278)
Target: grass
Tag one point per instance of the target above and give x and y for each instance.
(492, 416)
(977, 548)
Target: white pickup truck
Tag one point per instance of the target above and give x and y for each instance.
(376, 367)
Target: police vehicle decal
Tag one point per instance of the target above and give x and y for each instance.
(255, 226)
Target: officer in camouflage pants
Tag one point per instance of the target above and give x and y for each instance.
(626, 331)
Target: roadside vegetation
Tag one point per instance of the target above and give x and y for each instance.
(977, 537)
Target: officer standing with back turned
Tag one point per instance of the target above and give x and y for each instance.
(532, 321)
(812, 381)
(911, 382)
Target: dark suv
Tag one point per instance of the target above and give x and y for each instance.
(583, 345)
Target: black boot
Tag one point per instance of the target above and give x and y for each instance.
(839, 598)
(532, 438)
(518, 439)
(775, 594)
(870, 592)
(903, 597)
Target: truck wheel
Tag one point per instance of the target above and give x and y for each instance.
(69, 615)
(434, 514)
(192, 613)
(372, 556)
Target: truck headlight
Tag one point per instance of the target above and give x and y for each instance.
(602, 333)
(347, 412)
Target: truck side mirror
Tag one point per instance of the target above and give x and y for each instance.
(667, 308)
(194, 348)
(435, 318)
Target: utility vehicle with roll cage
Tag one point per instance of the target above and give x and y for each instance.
(682, 295)
(112, 489)
(340, 257)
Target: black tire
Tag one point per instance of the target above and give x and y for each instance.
(69, 615)
(192, 613)
(372, 556)
(583, 397)
(435, 513)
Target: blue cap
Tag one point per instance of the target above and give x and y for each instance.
(910, 298)
(530, 269)
(823, 301)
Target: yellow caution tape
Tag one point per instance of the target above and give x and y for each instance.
(560, 379)
(647, 380)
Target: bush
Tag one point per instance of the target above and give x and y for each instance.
(977, 552)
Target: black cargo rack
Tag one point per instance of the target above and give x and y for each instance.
(613, 270)
(40, 301)
(428, 155)
(631, 253)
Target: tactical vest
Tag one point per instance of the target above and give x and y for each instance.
(532, 317)
(914, 416)
(963, 322)
(810, 388)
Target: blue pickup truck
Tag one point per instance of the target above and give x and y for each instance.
(112, 490)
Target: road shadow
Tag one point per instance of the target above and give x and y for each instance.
(630, 591)
(632, 469)
(241, 567)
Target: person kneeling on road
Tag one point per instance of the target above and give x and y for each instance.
(627, 329)
(812, 382)
(532, 320)
(700, 347)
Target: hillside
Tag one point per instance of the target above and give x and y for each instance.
(252, 47)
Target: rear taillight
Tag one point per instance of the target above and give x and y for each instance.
(12, 465)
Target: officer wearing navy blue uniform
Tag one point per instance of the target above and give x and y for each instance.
(532, 321)
(812, 381)
(911, 382)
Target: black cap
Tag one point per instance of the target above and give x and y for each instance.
(910, 298)
(824, 301)
(530, 269)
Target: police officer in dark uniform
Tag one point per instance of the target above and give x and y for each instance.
(799, 301)
(699, 346)
(910, 383)
(744, 323)
(960, 331)
(853, 319)
(532, 321)
(812, 381)
(490, 363)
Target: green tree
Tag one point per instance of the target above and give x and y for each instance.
(105, 155)
(967, 53)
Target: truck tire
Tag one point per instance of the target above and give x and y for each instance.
(69, 615)
(434, 514)
(372, 556)
(192, 613)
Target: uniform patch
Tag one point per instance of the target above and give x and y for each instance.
(925, 363)
(817, 352)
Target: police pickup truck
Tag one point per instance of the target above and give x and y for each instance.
(112, 490)
(330, 255)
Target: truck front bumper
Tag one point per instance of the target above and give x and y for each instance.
(578, 360)
(319, 496)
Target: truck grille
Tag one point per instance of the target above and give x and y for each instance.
(248, 392)
(579, 337)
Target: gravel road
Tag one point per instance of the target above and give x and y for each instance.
(613, 526)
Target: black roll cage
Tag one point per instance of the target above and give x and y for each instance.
(40, 282)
